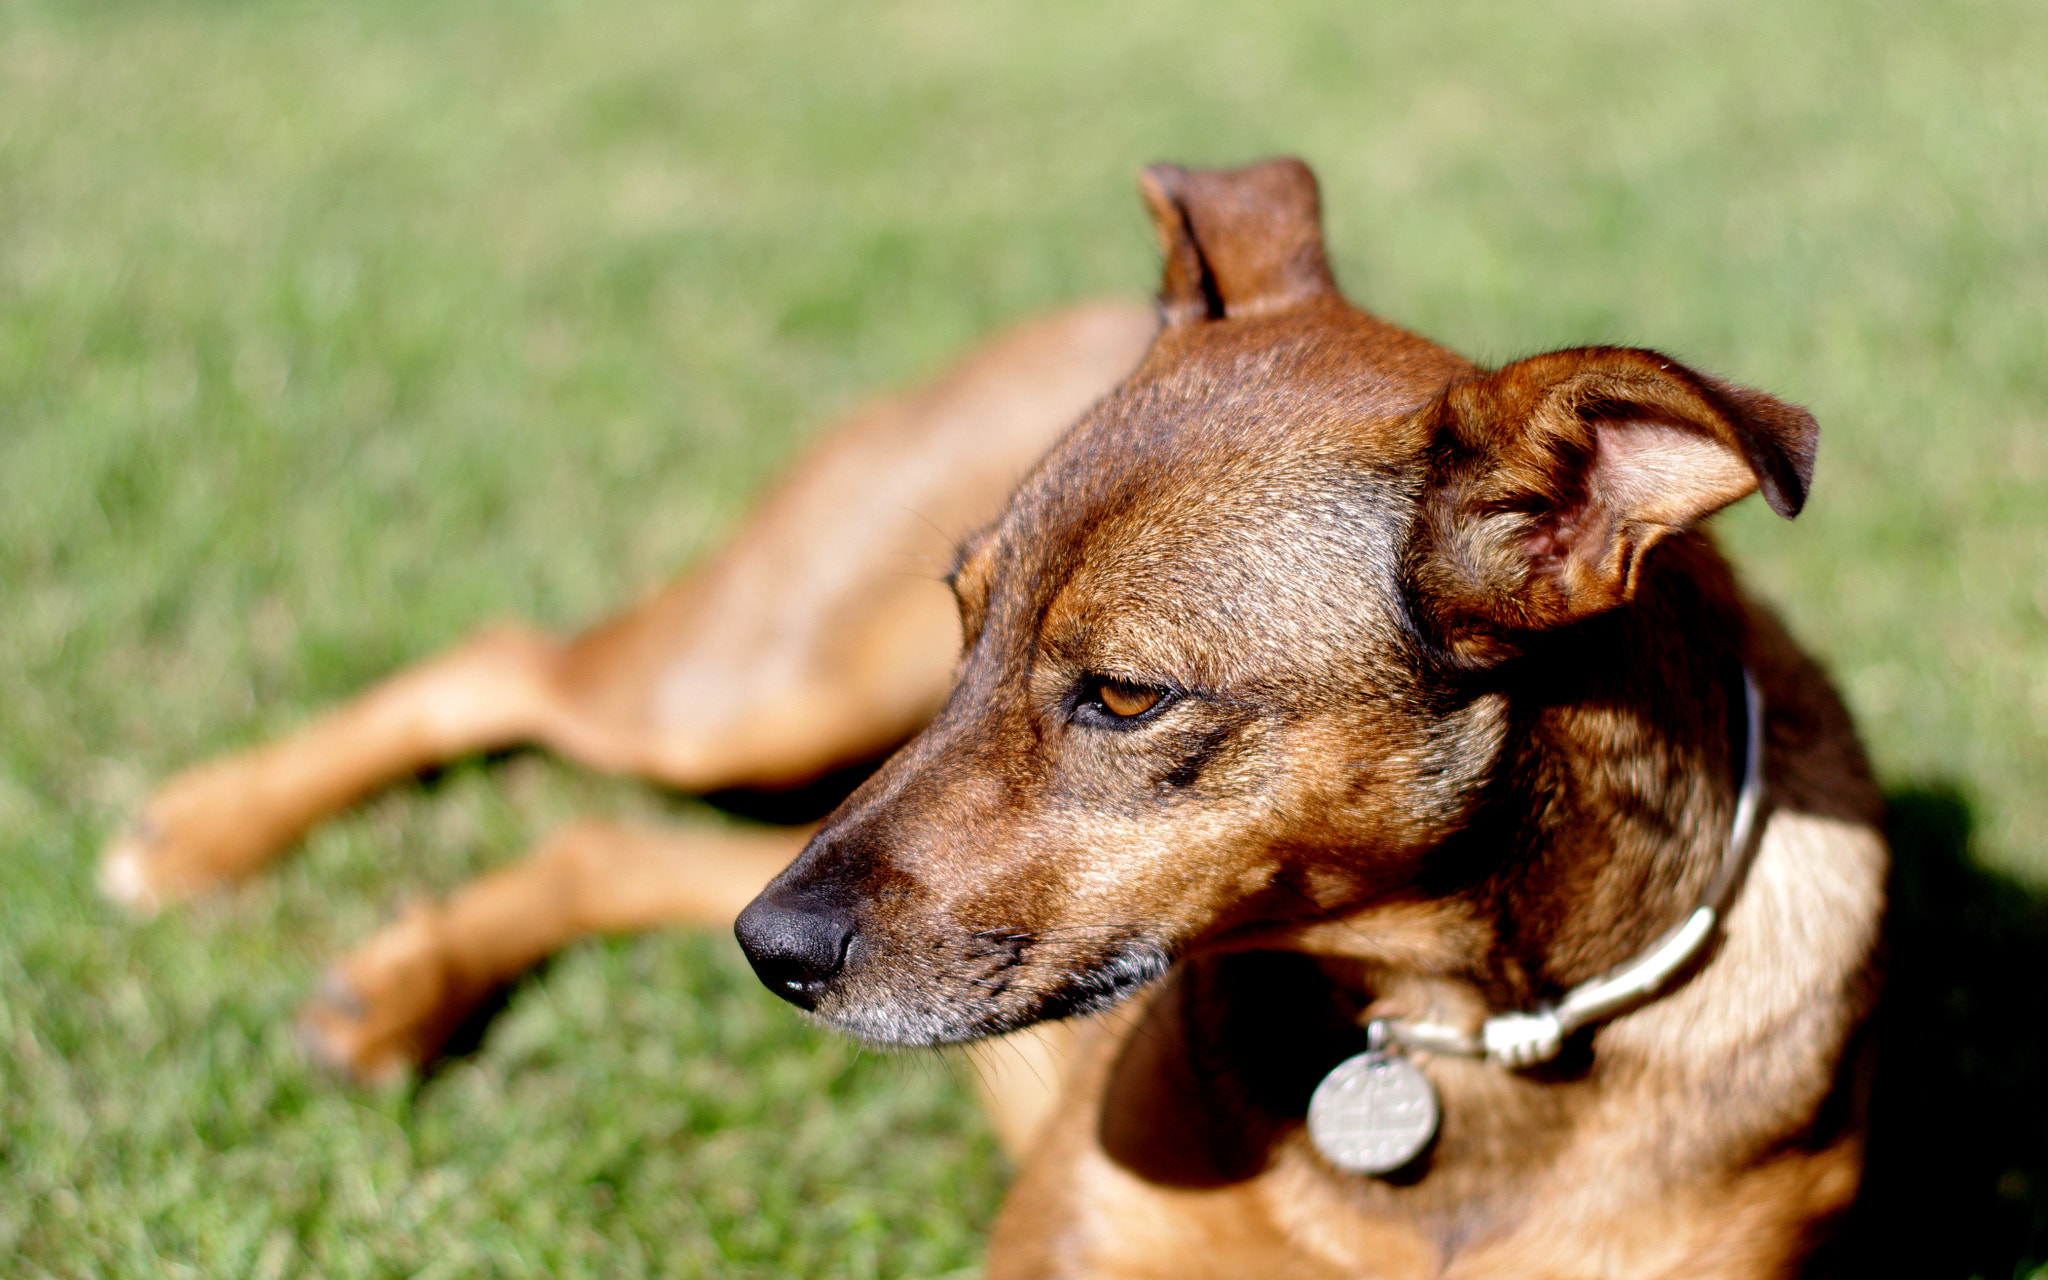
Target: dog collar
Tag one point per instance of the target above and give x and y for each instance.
(1375, 1112)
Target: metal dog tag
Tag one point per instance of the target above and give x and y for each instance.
(1373, 1113)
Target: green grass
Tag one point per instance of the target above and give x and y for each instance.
(328, 331)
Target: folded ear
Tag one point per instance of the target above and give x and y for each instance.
(1550, 479)
(1238, 241)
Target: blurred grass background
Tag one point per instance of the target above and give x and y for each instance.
(331, 330)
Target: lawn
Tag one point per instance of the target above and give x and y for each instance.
(329, 331)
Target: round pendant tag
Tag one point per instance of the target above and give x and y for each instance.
(1373, 1113)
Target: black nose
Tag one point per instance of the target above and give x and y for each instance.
(794, 947)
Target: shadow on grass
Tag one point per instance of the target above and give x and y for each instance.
(1957, 1183)
(792, 806)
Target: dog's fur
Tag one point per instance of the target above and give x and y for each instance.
(1317, 675)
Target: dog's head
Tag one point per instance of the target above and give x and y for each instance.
(1220, 677)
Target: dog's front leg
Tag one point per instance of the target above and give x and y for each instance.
(220, 821)
(390, 1004)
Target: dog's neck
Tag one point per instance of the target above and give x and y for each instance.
(1572, 863)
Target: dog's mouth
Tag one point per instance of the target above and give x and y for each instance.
(1024, 984)
(964, 986)
(1007, 979)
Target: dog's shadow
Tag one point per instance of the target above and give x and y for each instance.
(1957, 1183)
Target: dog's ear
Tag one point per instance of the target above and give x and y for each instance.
(1549, 480)
(1238, 242)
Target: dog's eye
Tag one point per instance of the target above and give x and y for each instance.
(1122, 700)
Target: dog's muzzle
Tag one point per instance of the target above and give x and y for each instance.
(796, 944)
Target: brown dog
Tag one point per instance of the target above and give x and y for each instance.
(1497, 889)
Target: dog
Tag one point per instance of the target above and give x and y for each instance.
(1481, 883)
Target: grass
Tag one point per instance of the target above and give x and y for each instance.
(328, 331)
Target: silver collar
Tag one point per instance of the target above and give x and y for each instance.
(1524, 1039)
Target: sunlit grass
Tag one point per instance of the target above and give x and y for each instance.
(328, 331)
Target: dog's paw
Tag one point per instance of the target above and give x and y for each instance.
(388, 1006)
(202, 831)
(126, 874)
(155, 863)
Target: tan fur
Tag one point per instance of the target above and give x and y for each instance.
(816, 640)
(1317, 675)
